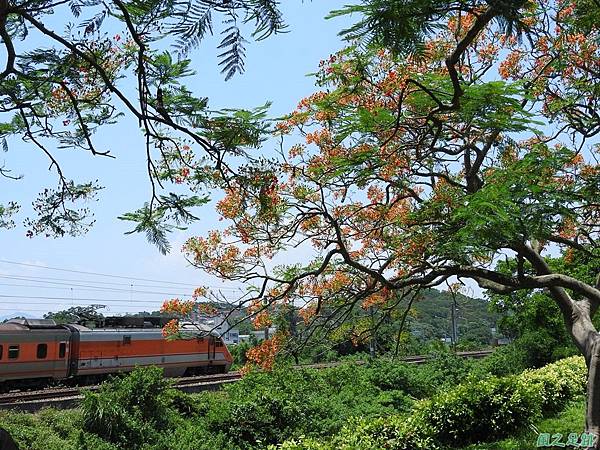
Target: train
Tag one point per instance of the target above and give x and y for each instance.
(38, 352)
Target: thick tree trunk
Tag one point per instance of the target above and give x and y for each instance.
(578, 320)
(578, 315)
(587, 339)
(592, 359)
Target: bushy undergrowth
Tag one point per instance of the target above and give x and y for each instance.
(131, 410)
(475, 411)
(267, 408)
(570, 420)
(51, 430)
(386, 404)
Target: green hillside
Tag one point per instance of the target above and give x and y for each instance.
(431, 317)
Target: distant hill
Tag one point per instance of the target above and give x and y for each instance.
(431, 318)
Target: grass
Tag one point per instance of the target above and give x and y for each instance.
(570, 420)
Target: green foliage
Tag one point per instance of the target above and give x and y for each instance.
(403, 25)
(55, 218)
(534, 319)
(568, 421)
(130, 410)
(264, 408)
(475, 411)
(496, 105)
(348, 407)
(480, 410)
(6, 213)
(516, 200)
(241, 127)
(506, 360)
(153, 219)
(400, 25)
(559, 382)
(190, 436)
(238, 353)
(51, 430)
(76, 314)
(323, 352)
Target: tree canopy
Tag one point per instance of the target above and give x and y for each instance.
(448, 141)
(58, 88)
(447, 137)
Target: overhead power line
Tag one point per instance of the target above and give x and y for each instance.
(91, 273)
(83, 287)
(104, 301)
(122, 277)
(56, 280)
(15, 310)
(76, 299)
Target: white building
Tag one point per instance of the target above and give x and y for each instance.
(219, 326)
(259, 335)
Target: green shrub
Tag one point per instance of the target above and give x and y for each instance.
(475, 411)
(444, 370)
(191, 435)
(420, 381)
(130, 410)
(482, 410)
(264, 409)
(559, 382)
(393, 432)
(507, 360)
(185, 405)
(50, 430)
(238, 353)
(268, 408)
(301, 407)
(390, 375)
(537, 347)
(495, 407)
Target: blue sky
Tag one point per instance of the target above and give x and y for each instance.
(275, 70)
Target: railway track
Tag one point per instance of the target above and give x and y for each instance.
(61, 398)
(68, 397)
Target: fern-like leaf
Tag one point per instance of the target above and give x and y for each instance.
(267, 18)
(233, 58)
(194, 25)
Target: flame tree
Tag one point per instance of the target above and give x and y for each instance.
(451, 140)
(72, 67)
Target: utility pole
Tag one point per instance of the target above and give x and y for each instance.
(292, 319)
(373, 341)
(454, 312)
(265, 303)
(293, 331)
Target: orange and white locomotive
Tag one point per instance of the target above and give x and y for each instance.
(36, 351)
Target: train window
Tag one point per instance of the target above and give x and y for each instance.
(13, 351)
(62, 349)
(42, 351)
(126, 340)
(219, 343)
